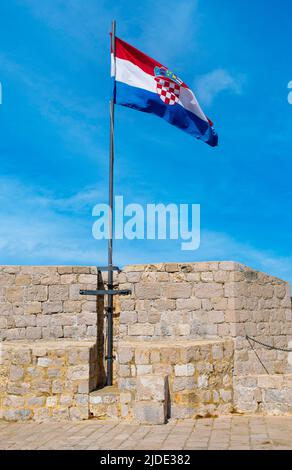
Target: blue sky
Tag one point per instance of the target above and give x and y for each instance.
(54, 70)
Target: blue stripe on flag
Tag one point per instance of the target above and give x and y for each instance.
(148, 102)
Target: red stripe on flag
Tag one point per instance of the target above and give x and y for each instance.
(143, 61)
(127, 52)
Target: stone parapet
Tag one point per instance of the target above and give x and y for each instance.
(210, 300)
(265, 394)
(43, 302)
(199, 376)
(180, 341)
(47, 380)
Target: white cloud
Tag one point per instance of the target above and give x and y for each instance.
(208, 86)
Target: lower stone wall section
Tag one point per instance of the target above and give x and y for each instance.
(265, 394)
(47, 380)
(199, 375)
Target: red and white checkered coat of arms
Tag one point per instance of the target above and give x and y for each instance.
(168, 85)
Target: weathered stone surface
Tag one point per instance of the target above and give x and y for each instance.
(184, 370)
(147, 291)
(208, 290)
(141, 330)
(152, 387)
(40, 385)
(170, 302)
(36, 293)
(178, 291)
(149, 413)
(58, 292)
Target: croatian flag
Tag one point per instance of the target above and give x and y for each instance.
(144, 84)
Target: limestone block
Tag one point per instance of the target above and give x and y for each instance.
(33, 333)
(133, 277)
(147, 290)
(125, 354)
(56, 332)
(143, 316)
(58, 292)
(6, 279)
(127, 304)
(229, 266)
(270, 381)
(32, 308)
(204, 266)
(126, 384)
(52, 278)
(128, 317)
(151, 387)
(125, 397)
(44, 362)
(86, 319)
(142, 356)
(91, 331)
(88, 279)
(89, 306)
(146, 412)
(184, 370)
(124, 370)
(36, 293)
(207, 276)
(81, 270)
(141, 329)
(226, 395)
(203, 381)
(162, 305)
(182, 412)
(14, 294)
(216, 317)
(42, 320)
(78, 413)
(144, 369)
(221, 276)
(3, 322)
(80, 372)
(189, 304)
(22, 321)
(183, 383)
(16, 373)
(68, 278)
(208, 290)
(65, 269)
(179, 290)
(74, 292)
(182, 330)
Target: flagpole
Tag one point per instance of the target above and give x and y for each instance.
(109, 378)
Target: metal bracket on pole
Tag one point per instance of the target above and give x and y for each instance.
(106, 292)
(108, 268)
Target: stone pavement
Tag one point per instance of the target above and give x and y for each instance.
(226, 432)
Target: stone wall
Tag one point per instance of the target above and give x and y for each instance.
(265, 394)
(198, 373)
(210, 300)
(182, 323)
(44, 303)
(44, 380)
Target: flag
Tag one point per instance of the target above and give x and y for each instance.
(142, 83)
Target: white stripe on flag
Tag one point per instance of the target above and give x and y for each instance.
(130, 74)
